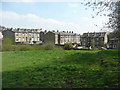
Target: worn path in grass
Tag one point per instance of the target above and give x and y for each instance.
(60, 68)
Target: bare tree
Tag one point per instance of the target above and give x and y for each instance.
(112, 6)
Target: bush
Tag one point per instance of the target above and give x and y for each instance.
(49, 46)
(23, 48)
(68, 46)
(93, 44)
(0, 44)
(7, 45)
(38, 47)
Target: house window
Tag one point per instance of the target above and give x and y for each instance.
(38, 35)
(16, 34)
(32, 39)
(23, 34)
(114, 46)
(17, 39)
(29, 34)
(38, 39)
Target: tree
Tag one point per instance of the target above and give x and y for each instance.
(0, 44)
(114, 21)
(101, 43)
(112, 6)
(68, 46)
(7, 45)
(93, 44)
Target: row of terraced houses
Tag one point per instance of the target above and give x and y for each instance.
(38, 36)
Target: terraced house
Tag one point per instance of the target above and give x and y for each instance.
(38, 36)
(60, 38)
(100, 39)
(114, 43)
(25, 36)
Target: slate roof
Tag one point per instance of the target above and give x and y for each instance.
(26, 30)
(2, 28)
(112, 39)
(22, 30)
(64, 33)
(98, 34)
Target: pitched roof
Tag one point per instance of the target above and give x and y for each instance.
(64, 33)
(18, 30)
(98, 34)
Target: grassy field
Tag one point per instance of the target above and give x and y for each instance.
(61, 69)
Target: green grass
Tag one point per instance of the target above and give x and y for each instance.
(61, 69)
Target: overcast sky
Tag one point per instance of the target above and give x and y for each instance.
(62, 16)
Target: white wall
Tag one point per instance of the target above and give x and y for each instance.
(1, 36)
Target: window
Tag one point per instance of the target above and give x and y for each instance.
(17, 39)
(32, 39)
(38, 35)
(23, 34)
(35, 39)
(29, 34)
(16, 34)
(38, 39)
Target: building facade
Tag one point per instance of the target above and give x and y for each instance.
(60, 38)
(113, 43)
(37, 36)
(25, 36)
(100, 39)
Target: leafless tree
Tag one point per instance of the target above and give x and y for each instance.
(111, 6)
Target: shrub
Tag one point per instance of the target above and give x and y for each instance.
(7, 45)
(68, 46)
(93, 44)
(0, 44)
(49, 46)
(24, 48)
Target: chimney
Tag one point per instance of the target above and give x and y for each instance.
(45, 30)
(57, 30)
(72, 31)
(11, 28)
(53, 30)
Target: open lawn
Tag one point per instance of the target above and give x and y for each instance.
(61, 69)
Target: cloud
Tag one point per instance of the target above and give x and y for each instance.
(41, 0)
(12, 19)
(19, 0)
(93, 25)
(73, 5)
(55, 0)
